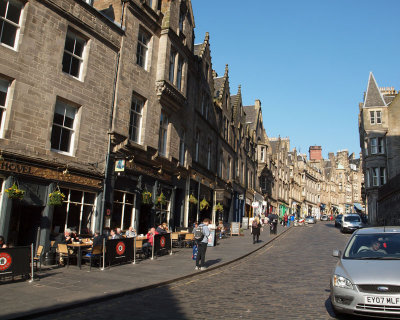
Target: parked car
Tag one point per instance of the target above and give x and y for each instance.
(351, 222)
(338, 221)
(324, 217)
(366, 278)
(310, 220)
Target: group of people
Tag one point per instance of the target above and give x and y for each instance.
(256, 226)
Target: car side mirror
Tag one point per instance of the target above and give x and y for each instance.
(336, 253)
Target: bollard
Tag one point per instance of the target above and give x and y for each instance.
(104, 254)
(32, 274)
(134, 250)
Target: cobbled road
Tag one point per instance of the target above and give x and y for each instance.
(287, 279)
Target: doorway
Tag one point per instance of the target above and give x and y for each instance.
(24, 223)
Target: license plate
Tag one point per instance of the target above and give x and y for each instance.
(391, 301)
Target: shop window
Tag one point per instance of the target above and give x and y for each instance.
(122, 213)
(76, 212)
(10, 14)
(62, 134)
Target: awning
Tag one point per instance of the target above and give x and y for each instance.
(358, 207)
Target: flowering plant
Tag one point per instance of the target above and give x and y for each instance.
(219, 207)
(15, 193)
(56, 198)
(161, 200)
(204, 205)
(192, 199)
(146, 197)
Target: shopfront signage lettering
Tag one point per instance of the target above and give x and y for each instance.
(48, 173)
(15, 167)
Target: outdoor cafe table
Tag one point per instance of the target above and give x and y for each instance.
(79, 246)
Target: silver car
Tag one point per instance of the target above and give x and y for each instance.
(351, 222)
(366, 279)
(310, 220)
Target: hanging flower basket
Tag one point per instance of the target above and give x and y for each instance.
(56, 198)
(15, 193)
(193, 200)
(146, 198)
(161, 200)
(204, 205)
(219, 207)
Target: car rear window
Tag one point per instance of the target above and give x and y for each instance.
(352, 219)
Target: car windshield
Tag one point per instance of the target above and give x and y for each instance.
(352, 219)
(373, 246)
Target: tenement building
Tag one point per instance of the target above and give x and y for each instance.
(380, 142)
(112, 110)
(56, 96)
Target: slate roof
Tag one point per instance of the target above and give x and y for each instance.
(218, 83)
(251, 116)
(373, 97)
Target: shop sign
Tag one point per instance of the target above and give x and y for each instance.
(255, 204)
(47, 173)
(241, 197)
(120, 165)
(219, 195)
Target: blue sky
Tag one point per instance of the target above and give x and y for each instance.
(307, 61)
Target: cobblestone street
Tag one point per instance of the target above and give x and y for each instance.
(288, 279)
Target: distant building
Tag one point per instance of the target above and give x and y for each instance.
(379, 129)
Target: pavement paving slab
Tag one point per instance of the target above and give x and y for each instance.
(58, 288)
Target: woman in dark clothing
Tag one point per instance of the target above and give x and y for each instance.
(255, 229)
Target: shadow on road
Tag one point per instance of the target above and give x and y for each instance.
(209, 263)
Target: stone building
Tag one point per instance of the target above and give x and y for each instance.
(280, 150)
(57, 88)
(379, 142)
(119, 105)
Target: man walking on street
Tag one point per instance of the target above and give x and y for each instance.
(202, 243)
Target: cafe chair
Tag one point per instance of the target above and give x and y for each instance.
(38, 257)
(188, 241)
(139, 248)
(93, 255)
(64, 253)
(176, 243)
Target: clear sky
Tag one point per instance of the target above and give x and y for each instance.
(308, 61)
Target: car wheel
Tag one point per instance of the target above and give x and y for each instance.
(341, 230)
(336, 225)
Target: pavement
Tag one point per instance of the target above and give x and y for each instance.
(59, 288)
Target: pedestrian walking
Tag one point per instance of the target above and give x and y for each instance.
(255, 229)
(285, 220)
(201, 234)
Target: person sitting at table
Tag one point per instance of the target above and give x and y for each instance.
(221, 229)
(2, 243)
(67, 237)
(114, 234)
(131, 233)
(162, 228)
(98, 239)
(147, 247)
(119, 232)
